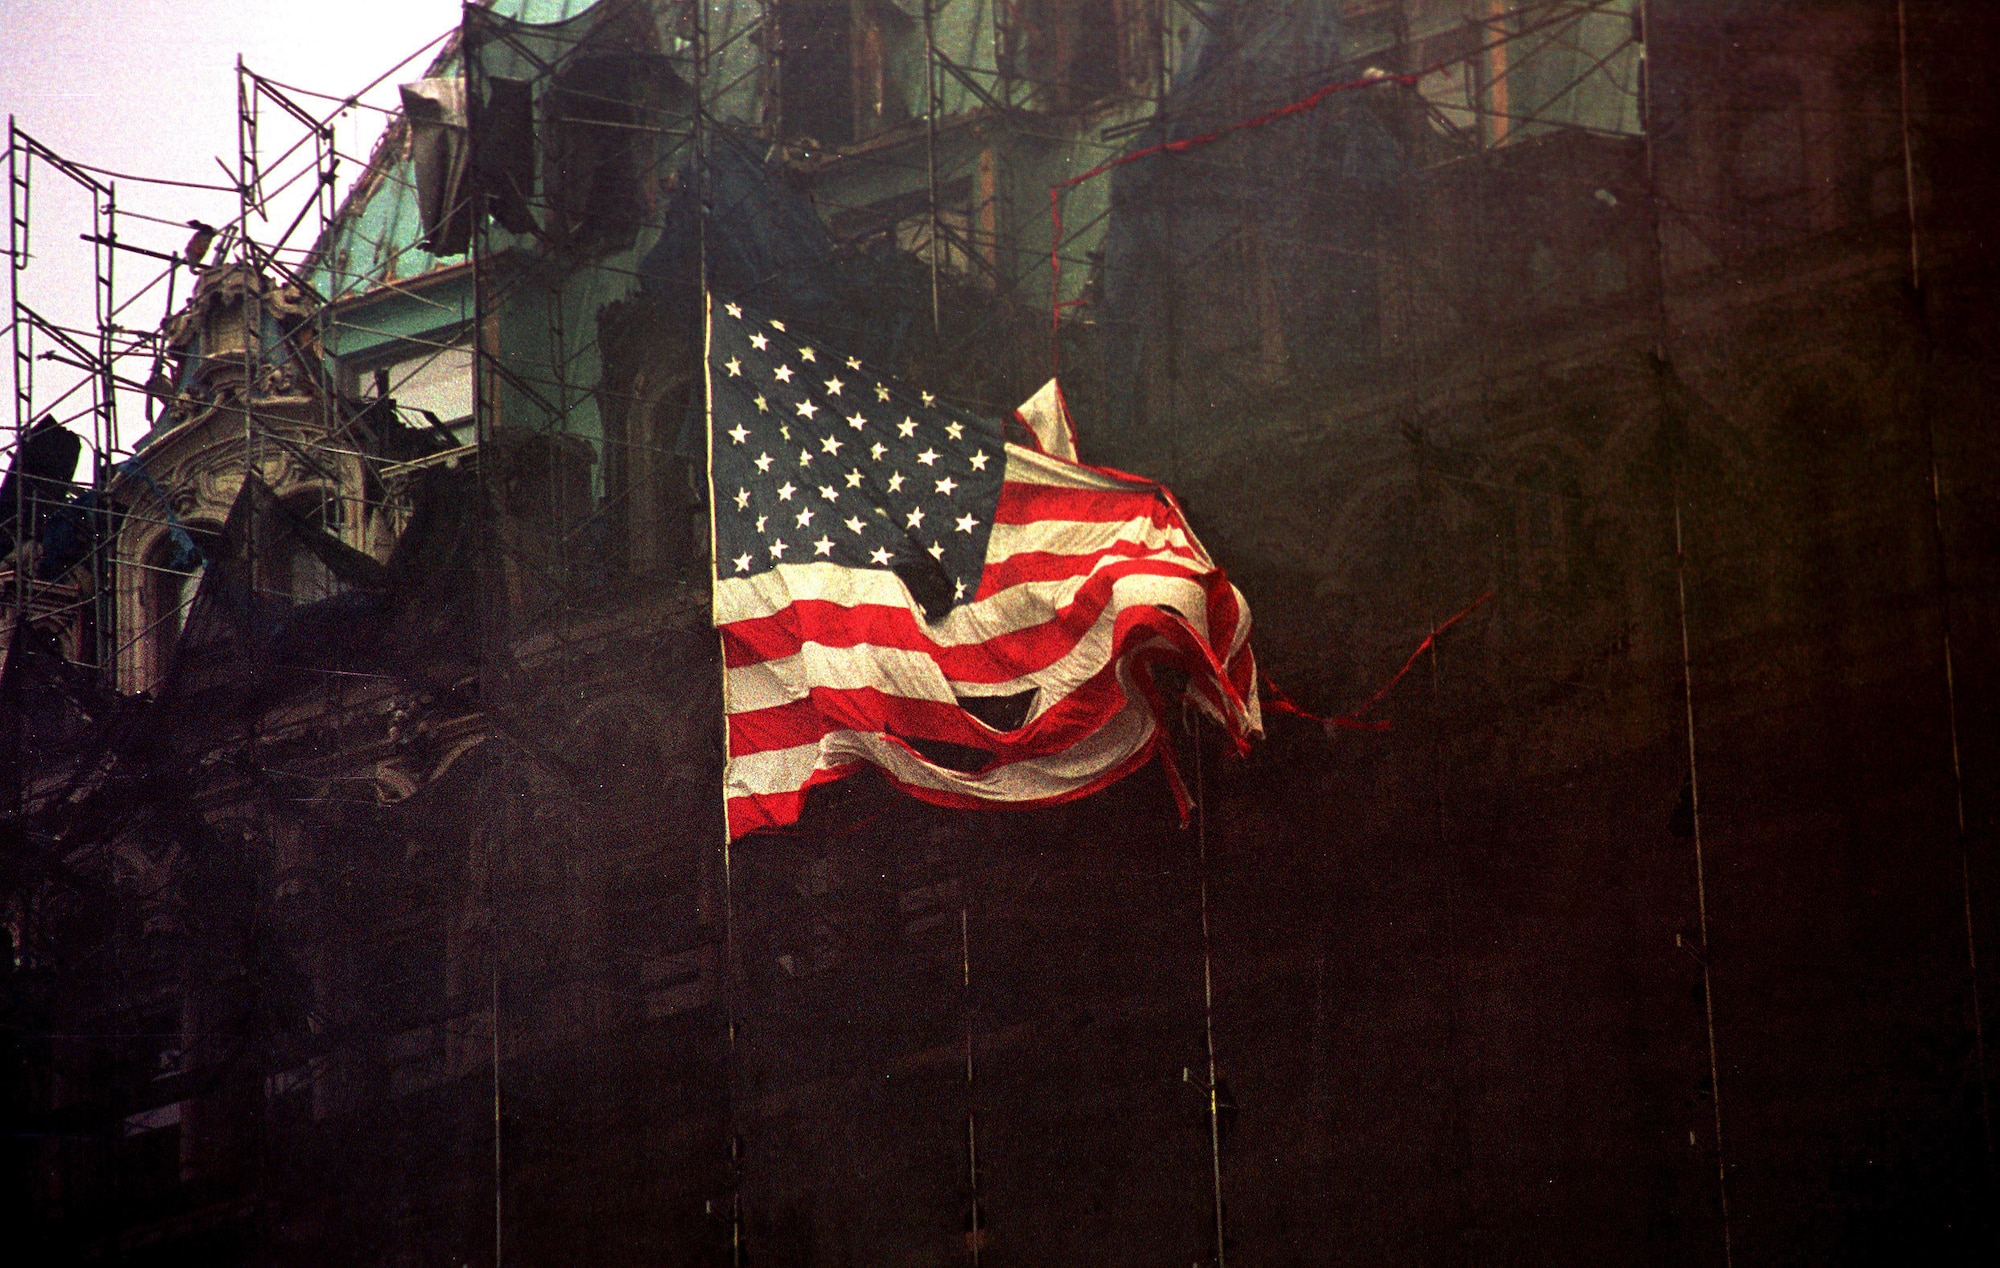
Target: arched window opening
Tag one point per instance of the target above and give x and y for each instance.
(174, 569)
(286, 567)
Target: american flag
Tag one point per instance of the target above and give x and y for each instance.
(897, 584)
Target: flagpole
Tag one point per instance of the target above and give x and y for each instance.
(700, 138)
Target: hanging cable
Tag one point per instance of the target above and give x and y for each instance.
(499, 1225)
(1208, 1004)
(975, 1228)
(1650, 125)
(930, 143)
(483, 406)
(1943, 587)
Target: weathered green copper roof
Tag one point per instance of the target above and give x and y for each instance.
(374, 237)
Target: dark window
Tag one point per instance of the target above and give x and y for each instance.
(1767, 159)
(175, 572)
(594, 176)
(888, 56)
(602, 108)
(816, 69)
(965, 242)
(1076, 53)
(409, 975)
(285, 566)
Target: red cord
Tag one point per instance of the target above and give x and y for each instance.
(1352, 719)
(1179, 146)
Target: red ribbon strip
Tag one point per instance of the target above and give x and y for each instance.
(1408, 79)
(1352, 719)
(1182, 145)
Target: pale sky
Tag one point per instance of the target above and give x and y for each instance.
(148, 87)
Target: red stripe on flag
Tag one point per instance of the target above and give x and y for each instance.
(1058, 726)
(1041, 565)
(1023, 503)
(775, 810)
(999, 659)
(1132, 528)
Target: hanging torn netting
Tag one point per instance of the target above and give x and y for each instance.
(1304, 194)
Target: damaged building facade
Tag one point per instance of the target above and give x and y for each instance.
(366, 883)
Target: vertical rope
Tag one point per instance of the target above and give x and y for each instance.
(930, 143)
(482, 434)
(1943, 590)
(1649, 126)
(1909, 154)
(770, 26)
(498, 1204)
(976, 1231)
(1454, 1105)
(703, 193)
(1701, 882)
(1208, 1003)
(557, 430)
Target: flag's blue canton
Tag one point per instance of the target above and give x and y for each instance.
(819, 458)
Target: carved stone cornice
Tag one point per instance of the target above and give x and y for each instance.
(200, 464)
(192, 473)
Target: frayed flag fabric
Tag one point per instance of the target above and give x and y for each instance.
(897, 585)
